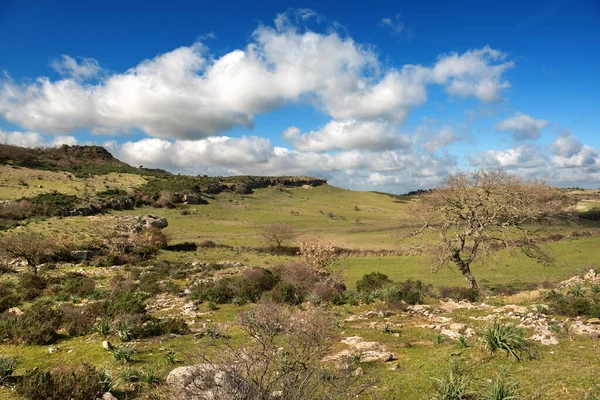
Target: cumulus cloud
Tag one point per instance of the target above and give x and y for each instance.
(34, 139)
(477, 73)
(257, 156)
(524, 156)
(522, 126)
(566, 162)
(570, 152)
(348, 134)
(189, 93)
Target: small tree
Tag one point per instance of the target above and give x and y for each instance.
(277, 234)
(477, 213)
(31, 246)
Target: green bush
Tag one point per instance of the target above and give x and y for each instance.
(219, 292)
(373, 281)
(31, 286)
(287, 293)
(79, 383)
(38, 325)
(7, 367)
(575, 303)
(459, 293)
(6, 302)
(80, 320)
(128, 300)
(76, 285)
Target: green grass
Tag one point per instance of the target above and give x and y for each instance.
(24, 182)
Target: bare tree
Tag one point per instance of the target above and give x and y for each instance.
(278, 234)
(476, 213)
(31, 246)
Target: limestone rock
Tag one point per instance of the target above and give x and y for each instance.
(15, 310)
(108, 396)
(370, 351)
(107, 345)
(208, 382)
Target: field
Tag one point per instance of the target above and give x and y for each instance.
(373, 229)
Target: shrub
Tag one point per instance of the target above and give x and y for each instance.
(299, 274)
(31, 286)
(264, 367)
(459, 293)
(574, 303)
(285, 292)
(128, 300)
(319, 255)
(79, 383)
(373, 281)
(79, 320)
(38, 325)
(77, 285)
(7, 367)
(254, 282)
(174, 325)
(219, 292)
(185, 246)
(9, 301)
(505, 337)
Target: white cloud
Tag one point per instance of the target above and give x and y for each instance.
(524, 156)
(257, 156)
(522, 126)
(34, 139)
(395, 24)
(78, 69)
(434, 141)
(348, 134)
(188, 93)
(477, 73)
(569, 152)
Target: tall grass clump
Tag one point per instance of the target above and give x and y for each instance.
(501, 388)
(453, 385)
(505, 337)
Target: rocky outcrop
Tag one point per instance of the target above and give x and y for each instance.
(208, 382)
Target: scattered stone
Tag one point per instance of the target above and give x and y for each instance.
(107, 345)
(108, 396)
(456, 327)
(593, 321)
(15, 310)
(52, 349)
(370, 351)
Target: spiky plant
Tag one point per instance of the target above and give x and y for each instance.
(453, 385)
(501, 388)
(505, 337)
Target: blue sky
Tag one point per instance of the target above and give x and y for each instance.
(389, 96)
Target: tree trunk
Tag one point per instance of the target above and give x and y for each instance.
(465, 270)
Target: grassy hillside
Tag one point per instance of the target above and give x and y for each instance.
(179, 284)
